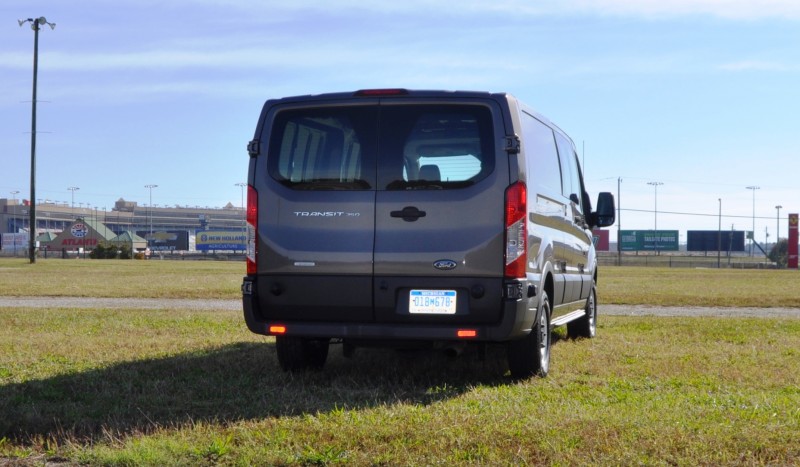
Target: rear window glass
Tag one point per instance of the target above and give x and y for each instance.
(324, 149)
(390, 147)
(435, 147)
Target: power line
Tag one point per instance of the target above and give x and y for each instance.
(697, 214)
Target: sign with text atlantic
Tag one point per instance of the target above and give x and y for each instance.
(648, 240)
(210, 240)
(793, 237)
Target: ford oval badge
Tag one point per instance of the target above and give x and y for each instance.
(445, 264)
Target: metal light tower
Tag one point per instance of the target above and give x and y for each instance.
(753, 239)
(719, 234)
(150, 187)
(73, 189)
(778, 226)
(35, 24)
(655, 211)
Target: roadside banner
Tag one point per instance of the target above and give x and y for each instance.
(793, 237)
(209, 240)
(649, 240)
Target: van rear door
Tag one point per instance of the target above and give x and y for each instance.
(439, 218)
(317, 212)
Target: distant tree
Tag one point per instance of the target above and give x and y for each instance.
(125, 251)
(780, 253)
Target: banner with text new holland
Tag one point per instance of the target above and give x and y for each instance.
(210, 240)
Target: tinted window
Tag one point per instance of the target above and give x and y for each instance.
(324, 148)
(417, 147)
(540, 145)
(434, 147)
(571, 184)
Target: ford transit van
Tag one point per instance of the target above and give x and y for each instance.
(403, 218)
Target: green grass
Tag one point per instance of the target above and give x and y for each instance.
(699, 287)
(121, 278)
(187, 387)
(172, 387)
(222, 279)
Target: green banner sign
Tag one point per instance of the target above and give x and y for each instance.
(648, 240)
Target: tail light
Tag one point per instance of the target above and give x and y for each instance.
(516, 230)
(252, 228)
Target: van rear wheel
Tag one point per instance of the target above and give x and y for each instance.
(297, 353)
(586, 326)
(530, 356)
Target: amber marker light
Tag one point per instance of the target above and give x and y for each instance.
(277, 329)
(467, 333)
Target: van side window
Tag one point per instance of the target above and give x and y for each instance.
(435, 147)
(322, 149)
(540, 146)
(570, 176)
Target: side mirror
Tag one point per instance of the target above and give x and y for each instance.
(606, 213)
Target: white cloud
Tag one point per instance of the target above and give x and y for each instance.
(729, 9)
(757, 65)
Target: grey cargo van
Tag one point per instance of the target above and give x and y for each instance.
(397, 217)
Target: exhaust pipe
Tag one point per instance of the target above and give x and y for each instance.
(454, 349)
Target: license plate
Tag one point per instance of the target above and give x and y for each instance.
(432, 302)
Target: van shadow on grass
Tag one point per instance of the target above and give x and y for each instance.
(231, 383)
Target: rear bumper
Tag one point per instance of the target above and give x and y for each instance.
(516, 318)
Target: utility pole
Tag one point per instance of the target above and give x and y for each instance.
(753, 236)
(619, 223)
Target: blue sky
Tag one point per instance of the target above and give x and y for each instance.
(700, 95)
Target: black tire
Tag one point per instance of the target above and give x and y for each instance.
(586, 326)
(530, 356)
(296, 353)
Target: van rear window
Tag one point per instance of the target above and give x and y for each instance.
(435, 146)
(389, 147)
(324, 149)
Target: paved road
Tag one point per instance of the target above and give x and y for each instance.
(236, 305)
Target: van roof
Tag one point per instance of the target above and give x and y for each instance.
(389, 93)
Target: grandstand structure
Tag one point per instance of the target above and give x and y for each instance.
(124, 216)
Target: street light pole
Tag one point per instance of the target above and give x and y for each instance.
(719, 234)
(655, 212)
(35, 23)
(150, 208)
(753, 239)
(778, 226)
(72, 189)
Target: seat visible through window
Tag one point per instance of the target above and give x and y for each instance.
(430, 173)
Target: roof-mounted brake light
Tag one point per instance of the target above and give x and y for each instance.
(381, 92)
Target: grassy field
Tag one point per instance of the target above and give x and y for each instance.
(179, 387)
(222, 279)
(121, 278)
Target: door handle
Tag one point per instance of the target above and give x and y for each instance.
(409, 214)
